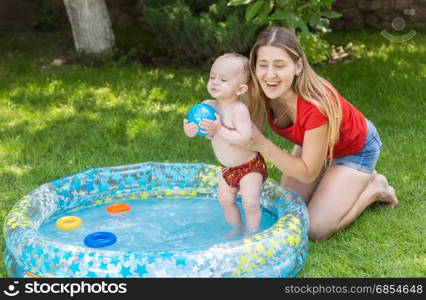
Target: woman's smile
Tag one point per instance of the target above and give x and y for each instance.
(270, 88)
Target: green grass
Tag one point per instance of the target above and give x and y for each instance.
(58, 120)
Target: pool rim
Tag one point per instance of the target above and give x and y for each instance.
(240, 245)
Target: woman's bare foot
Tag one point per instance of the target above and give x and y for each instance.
(385, 193)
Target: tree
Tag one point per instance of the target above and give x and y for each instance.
(307, 18)
(91, 26)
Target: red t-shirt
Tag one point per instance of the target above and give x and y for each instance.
(353, 128)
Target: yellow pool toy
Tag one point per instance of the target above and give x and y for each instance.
(68, 223)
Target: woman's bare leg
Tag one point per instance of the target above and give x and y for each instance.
(341, 196)
(305, 190)
(377, 190)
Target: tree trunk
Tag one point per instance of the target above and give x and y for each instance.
(91, 26)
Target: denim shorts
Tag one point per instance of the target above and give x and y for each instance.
(364, 160)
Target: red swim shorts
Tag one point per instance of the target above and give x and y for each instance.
(233, 175)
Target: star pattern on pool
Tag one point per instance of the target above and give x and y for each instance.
(141, 270)
(148, 181)
(125, 271)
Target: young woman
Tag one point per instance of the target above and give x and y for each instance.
(336, 147)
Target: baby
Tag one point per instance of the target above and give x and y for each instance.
(242, 170)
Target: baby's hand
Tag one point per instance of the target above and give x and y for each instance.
(211, 127)
(190, 129)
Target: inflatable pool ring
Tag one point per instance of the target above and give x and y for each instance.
(278, 251)
(68, 223)
(199, 112)
(100, 239)
(29, 274)
(118, 207)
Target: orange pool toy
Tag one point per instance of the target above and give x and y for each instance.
(118, 207)
(29, 274)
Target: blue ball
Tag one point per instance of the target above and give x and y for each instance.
(199, 112)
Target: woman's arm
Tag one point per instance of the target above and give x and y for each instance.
(304, 168)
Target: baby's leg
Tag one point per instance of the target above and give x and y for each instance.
(227, 197)
(250, 186)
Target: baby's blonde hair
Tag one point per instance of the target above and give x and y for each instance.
(244, 60)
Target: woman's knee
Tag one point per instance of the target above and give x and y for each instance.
(321, 229)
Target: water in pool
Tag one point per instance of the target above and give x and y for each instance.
(152, 224)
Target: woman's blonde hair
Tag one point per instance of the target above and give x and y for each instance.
(308, 84)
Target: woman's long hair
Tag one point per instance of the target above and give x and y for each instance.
(308, 84)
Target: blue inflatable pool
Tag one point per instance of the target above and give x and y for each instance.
(35, 247)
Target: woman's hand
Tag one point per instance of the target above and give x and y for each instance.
(190, 129)
(210, 127)
(257, 140)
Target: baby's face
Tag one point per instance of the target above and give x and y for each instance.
(226, 78)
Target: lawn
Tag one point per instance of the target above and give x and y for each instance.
(56, 120)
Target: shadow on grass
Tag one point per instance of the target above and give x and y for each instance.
(69, 122)
(62, 122)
